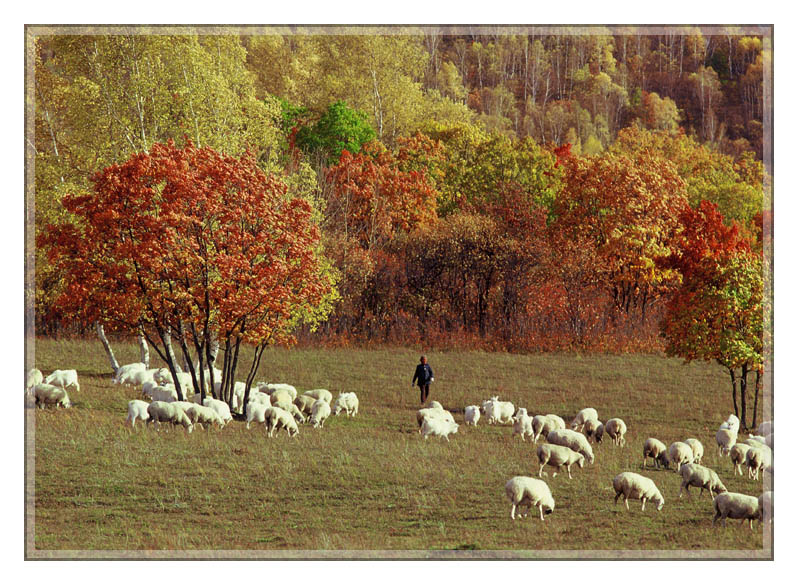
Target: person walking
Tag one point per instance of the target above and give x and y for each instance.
(425, 376)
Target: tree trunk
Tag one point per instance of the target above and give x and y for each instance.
(733, 384)
(743, 392)
(171, 360)
(755, 399)
(233, 368)
(198, 384)
(253, 371)
(143, 347)
(108, 350)
(211, 351)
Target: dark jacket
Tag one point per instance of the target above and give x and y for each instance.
(424, 374)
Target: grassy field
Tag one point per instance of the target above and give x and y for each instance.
(371, 482)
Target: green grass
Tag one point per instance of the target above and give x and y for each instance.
(371, 482)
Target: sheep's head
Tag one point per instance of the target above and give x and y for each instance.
(580, 460)
(590, 458)
(658, 499)
(548, 506)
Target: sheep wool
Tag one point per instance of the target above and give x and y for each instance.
(736, 507)
(656, 449)
(319, 413)
(277, 419)
(557, 456)
(583, 416)
(438, 427)
(590, 430)
(522, 424)
(45, 394)
(137, 409)
(472, 415)
(726, 439)
(697, 449)
(702, 477)
(679, 453)
(321, 394)
(160, 411)
(529, 492)
(574, 440)
(616, 429)
(738, 454)
(347, 401)
(497, 411)
(64, 379)
(638, 487)
(34, 378)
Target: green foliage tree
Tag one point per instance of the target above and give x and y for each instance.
(339, 128)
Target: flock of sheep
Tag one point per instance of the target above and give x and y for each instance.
(276, 406)
(567, 447)
(279, 406)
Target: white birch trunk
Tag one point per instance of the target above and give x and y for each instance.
(143, 347)
(108, 350)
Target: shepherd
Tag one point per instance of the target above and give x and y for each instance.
(425, 376)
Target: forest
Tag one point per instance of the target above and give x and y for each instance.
(599, 191)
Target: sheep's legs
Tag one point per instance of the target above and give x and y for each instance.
(626, 502)
(512, 513)
(541, 515)
(540, 472)
(617, 497)
(644, 499)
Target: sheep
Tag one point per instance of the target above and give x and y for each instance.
(34, 378)
(583, 416)
(590, 430)
(347, 401)
(639, 487)
(221, 408)
(558, 421)
(738, 455)
(558, 456)
(697, 449)
(160, 411)
(497, 411)
(122, 374)
(48, 394)
(702, 477)
(765, 505)
(436, 404)
(725, 440)
(320, 394)
(529, 492)
(576, 441)
(268, 388)
(64, 379)
(544, 424)
(164, 394)
(281, 398)
(137, 409)
(320, 413)
(305, 404)
(472, 415)
(758, 458)
(765, 428)
(522, 424)
(732, 424)
(438, 427)
(278, 418)
(148, 387)
(162, 376)
(755, 440)
(737, 507)
(425, 413)
(297, 414)
(198, 414)
(261, 397)
(679, 453)
(616, 429)
(656, 449)
(257, 412)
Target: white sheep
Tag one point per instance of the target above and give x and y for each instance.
(347, 401)
(765, 505)
(638, 487)
(472, 415)
(160, 411)
(726, 439)
(438, 427)
(758, 458)
(257, 412)
(497, 411)
(656, 449)
(436, 404)
(583, 416)
(558, 456)
(297, 414)
(576, 441)
(137, 409)
(755, 440)
(425, 413)
(697, 449)
(529, 492)
(679, 453)
(281, 398)
(522, 424)
(591, 428)
(199, 414)
(277, 419)
(268, 388)
(148, 387)
(738, 454)
(305, 404)
(162, 376)
(34, 378)
(765, 428)
(736, 507)
(616, 429)
(542, 424)
(48, 394)
(320, 412)
(63, 378)
(320, 394)
(164, 394)
(122, 374)
(732, 424)
(221, 408)
(702, 477)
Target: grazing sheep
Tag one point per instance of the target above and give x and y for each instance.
(199, 414)
(34, 378)
(136, 409)
(599, 432)
(281, 398)
(590, 429)
(765, 505)
(522, 425)
(638, 487)
(472, 415)
(257, 412)
(122, 374)
(765, 428)
(702, 477)
(261, 397)
(544, 424)
(48, 394)
(576, 441)
(656, 449)
(679, 453)
(320, 394)
(320, 413)
(278, 418)
(755, 440)
(160, 411)
(221, 408)
(583, 416)
(438, 427)
(297, 414)
(616, 429)
(148, 387)
(425, 413)
(347, 401)
(164, 394)
(736, 507)
(529, 492)
(436, 404)
(758, 458)
(305, 404)
(497, 411)
(269, 388)
(558, 457)
(697, 449)
(726, 439)
(738, 455)
(64, 379)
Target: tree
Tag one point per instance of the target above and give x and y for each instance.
(188, 244)
(339, 128)
(717, 313)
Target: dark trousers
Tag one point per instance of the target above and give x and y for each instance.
(424, 392)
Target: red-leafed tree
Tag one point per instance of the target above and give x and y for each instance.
(191, 242)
